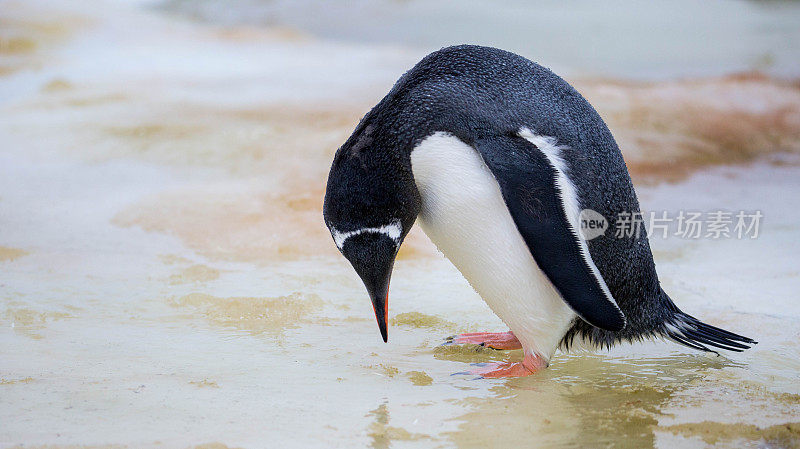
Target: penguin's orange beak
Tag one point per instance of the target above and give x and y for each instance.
(372, 255)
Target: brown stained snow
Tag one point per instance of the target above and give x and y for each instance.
(11, 254)
(256, 315)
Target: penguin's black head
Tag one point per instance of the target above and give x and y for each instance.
(371, 203)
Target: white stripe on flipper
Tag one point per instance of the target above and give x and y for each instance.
(569, 201)
(392, 230)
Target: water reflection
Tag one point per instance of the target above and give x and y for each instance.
(378, 435)
(583, 400)
(382, 435)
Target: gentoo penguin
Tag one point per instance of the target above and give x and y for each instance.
(497, 157)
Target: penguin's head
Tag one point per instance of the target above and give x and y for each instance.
(371, 203)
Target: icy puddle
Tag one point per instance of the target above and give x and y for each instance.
(166, 279)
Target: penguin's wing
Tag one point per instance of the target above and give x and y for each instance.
(545, 207)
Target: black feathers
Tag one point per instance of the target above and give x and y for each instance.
(663, 319)
(526, 179)
(689, 331)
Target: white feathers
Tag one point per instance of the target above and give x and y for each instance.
(392, 230)
(569, 200)
(464, 214)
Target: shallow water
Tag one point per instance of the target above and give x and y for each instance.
(166, 279)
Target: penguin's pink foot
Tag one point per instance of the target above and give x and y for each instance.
(496, 370)
(494, 340)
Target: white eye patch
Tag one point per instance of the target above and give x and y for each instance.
(392, 230)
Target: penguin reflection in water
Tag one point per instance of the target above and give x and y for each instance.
(497, 157)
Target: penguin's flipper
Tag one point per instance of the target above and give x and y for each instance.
(541, 199)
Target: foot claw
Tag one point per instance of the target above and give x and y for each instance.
(529, 365)
(494, 340)
(468, 373)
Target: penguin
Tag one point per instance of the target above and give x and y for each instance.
(496, 157)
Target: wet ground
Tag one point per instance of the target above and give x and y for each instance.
(166, 279)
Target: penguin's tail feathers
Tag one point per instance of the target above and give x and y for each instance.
(689, 331)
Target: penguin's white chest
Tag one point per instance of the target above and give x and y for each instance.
(464, 214)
